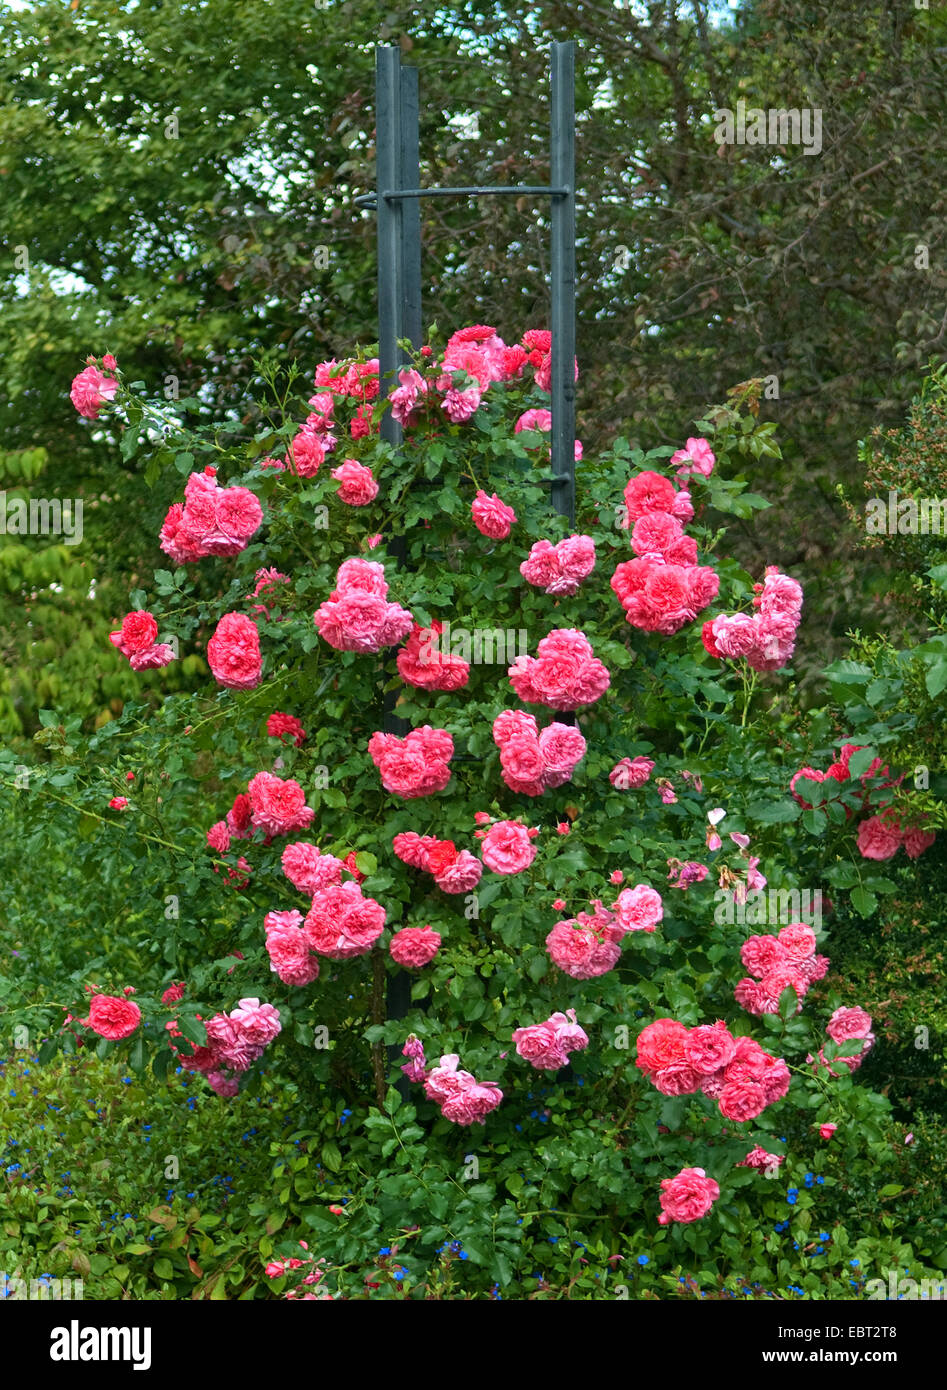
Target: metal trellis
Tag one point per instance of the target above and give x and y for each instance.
(396, 202)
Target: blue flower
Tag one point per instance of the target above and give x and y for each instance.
(385, 1250)
(642, 1259)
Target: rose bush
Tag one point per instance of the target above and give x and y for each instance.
(473, 847)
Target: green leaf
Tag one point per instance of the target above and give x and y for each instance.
(773, 812)
(936, 677)
(160, 1063)
(863, 902)
(193, 1029)
(860, 762)
(849, 673)
(129, 442)
(788, 1003)
(538, 967)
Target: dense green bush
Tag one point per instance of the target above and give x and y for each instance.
(558, 1194)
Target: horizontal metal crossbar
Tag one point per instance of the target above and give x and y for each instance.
(474, 191)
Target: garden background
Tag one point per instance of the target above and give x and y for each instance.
(178, 186)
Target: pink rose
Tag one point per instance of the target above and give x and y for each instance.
(879, 838)
(308, 869)
(507, 848)
(422, 662)
(534, 420)
(660, 1044)
(342, 923)
(136, 639)
(759, 1158)
(280, 725)
(562, 747)
(92, 389)
(492, 517)
(631, 772)
(218, 837)
(547, 1045)
(676, 1079)
(459, 404)
(288, 949)
(638, 909)
(709, 1047)
(560, 568)
(798, 940)
(357, 483)
(278, 806)
(564, 674)
(233, 653)
(696, 457)
(414, 947)
(111, 1016)
(687, 1197)
(306, 453)
(848, 1023)
(580, 951)
(462, 1099)
(414, 849)
(417, 765)
(742, 1100)
(763, 953)
(916, 840)
(648, 492)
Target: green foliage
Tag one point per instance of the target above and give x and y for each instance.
(186, 209)
(566, 1170)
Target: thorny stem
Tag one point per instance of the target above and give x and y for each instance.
(378, 1018)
